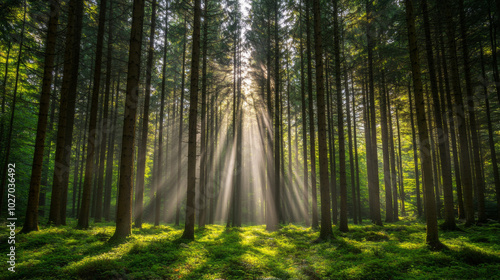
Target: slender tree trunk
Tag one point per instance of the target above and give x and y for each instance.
(326, 222)
(364, 94)
(491, 141)
(373, 182)
(465, 163)
(440, 126)
(389, 211)
(124, 203)
(84, 152)
(331, 146)
(356, 160)
(432, 238)
(4, 91)
(400, 168)
(304, 124)
(481, 212)
(203, 150)
(289, 126)
(181, 123)
(141, 162)
(351, 156)
(451, 123)
(70, 114)
(59, 167)
(31, 219)
(312, 132)
(161, 186)
(45, 173)
(110, 156)
(106, 126)
(340, 115)
(415, 158)
(277, 116)
(393, 160)
(83, 220)
(193, 120)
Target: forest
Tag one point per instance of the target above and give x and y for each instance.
(249, 139)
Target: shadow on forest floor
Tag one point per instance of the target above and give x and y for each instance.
(395, 251)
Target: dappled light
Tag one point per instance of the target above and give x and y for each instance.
(249, 139)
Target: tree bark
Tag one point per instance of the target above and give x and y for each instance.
(481, 212)
(125, 185)
(373, 182)
(312, 133)
(432, 237)
(326, 222)
(304, 124)
(31, 218)
(193, 120)
(106, 125)
(83, 220)
(389, 211)
(442, 128)
(465, 163)
(141, 161)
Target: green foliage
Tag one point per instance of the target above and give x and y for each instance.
(394, 251)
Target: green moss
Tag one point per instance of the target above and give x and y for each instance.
(394, 251)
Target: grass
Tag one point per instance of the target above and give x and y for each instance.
(394, 251)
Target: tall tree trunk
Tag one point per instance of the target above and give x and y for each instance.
(181, 123)
(441, 127)
(312, 132)
(193, 120)
(373, 182)
(326, 222)
(393, 160)
(432, 238)
(435, 161)
(84, 151)
(277, 115)
(400, 168)
(331, 146)
(465, 163)
(2, 138)
(481, 212)
(106, 209)
(61, 167)
(31, 219)
(83, 220)
(239, 144)
(46, 163)
(340, 114)
(124, 203)
(141, 161)
(351, 156)
(389, 212)
(289, 126)
(4, 89)
(366, 123)
(491, 141)
(415, 158)
(451, 123)
(106, 125)
(203, 150)
(304, 123)
(356, 160)
(161, 186)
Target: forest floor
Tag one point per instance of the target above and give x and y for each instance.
(394, 251)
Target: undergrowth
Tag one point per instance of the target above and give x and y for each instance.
(394, 251)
